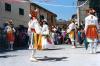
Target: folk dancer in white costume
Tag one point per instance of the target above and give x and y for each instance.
(10, 34)
(47, 42)
(91, 28)
(37, 37)
(30, 33)
(71, 31)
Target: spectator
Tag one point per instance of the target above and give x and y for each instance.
(10, 34)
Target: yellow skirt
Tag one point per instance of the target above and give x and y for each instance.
(72, 34)
(37, 41)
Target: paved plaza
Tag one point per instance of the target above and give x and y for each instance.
(61, 55)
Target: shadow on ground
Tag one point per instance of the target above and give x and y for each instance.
(7, 56)
(98, 52)
(53, 59)
(54, 49)
(2, 51)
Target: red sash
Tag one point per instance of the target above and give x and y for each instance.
(33, 30)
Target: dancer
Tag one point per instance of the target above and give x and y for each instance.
(91, 30)
(47, 43)
(37, 37)
(10, 34)
(30, 33)
(71, 31)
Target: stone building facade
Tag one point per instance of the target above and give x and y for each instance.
(19, 10)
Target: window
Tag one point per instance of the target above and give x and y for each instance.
(21, 11)
(7, 7)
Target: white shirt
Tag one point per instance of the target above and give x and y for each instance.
(91, 20)
(29, 26)
(8, 29)
(45, 29)
(33, 24)
(70, 27)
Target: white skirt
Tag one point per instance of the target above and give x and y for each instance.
(91, 40)
(45, 43)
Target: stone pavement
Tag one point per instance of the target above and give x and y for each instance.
(61, 55)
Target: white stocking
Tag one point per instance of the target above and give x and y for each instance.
(33, 52)
(95, 45)
(91, 47)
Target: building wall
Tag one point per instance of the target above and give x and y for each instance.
(51, 19)
(92, 4)
(96, 5)
(14, 14)
(82, 10)
(23, 19)
(62, 23)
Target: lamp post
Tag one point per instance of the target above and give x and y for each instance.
(78, 13)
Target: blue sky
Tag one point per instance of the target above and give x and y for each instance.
(61, 11)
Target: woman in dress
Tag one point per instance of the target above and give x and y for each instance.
(10, 34)
(71, 31)
(91, 30)
(47, 43)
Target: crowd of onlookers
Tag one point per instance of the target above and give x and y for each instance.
(59, 36)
